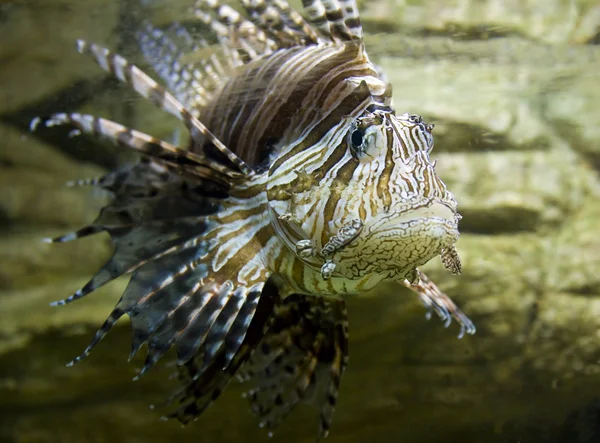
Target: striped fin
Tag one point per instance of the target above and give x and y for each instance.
(149, 89)
(160, 50)
(175, 299)
(351, 17)
(136, 246)
(160, 294)
(175, 302)
(234, 30)
(301, 359)
(203, 383)
(153, 213)
(435, 300)
(159, 150)
(173, 54)
(336, 20)
(280, 22)
(167, 235)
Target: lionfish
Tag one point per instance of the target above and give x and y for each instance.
(300, 185)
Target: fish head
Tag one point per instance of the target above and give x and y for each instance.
(380, 207)
(407, 214)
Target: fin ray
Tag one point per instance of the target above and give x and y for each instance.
(165, 50)
(151, 90)
(201, 384)
(301, 359)
(434, 299)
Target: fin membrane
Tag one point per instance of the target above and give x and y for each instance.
(301, 359)
(204, 377)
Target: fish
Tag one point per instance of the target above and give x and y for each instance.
(300, 187)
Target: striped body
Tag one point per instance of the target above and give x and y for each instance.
(300, 185)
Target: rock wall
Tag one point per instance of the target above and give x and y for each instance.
(513, 90)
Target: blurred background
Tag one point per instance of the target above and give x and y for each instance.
(513, 87)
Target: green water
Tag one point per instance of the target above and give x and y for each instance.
(513, 88)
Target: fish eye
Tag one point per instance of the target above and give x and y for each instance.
(356, 138)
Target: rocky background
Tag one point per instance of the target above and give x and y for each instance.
(513, 87)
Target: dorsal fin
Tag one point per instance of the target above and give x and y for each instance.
(275, 98)
(280, 22)
(191, 83)
(268, 47)
(149, 89)
(336, 20)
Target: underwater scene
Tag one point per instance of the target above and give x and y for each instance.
(295, 221)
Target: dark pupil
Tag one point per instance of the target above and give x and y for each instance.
(357, 138)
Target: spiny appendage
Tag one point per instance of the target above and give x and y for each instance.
(345, 235)
(334, 20)
(234, 30)
(435, 300)
(177, 159)
(204, 380)
(151, 90)
(191, 83)
(147, 194)
(301, 359)
(348, 232)
(175, 301)
(209, 320)
(451, 260)
(161, 230)
(145, 179)
(280, 22)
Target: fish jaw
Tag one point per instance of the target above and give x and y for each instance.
(397, 242)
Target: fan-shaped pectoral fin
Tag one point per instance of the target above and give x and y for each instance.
(176, 297)
(218, 345)
(301, 358)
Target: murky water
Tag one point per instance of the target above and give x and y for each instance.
(512, 88)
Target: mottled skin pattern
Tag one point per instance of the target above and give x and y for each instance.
(406, 214)
(300, 185)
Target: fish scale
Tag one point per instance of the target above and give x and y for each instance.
(300, 186)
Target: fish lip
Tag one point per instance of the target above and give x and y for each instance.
(434, 209)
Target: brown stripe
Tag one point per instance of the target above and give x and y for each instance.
(383, 180)
(346, 107)
(246, 253)
(353, 22)
(343, 176)
(336, 156)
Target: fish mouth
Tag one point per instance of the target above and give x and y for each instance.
(402, 239)
(438, 213)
